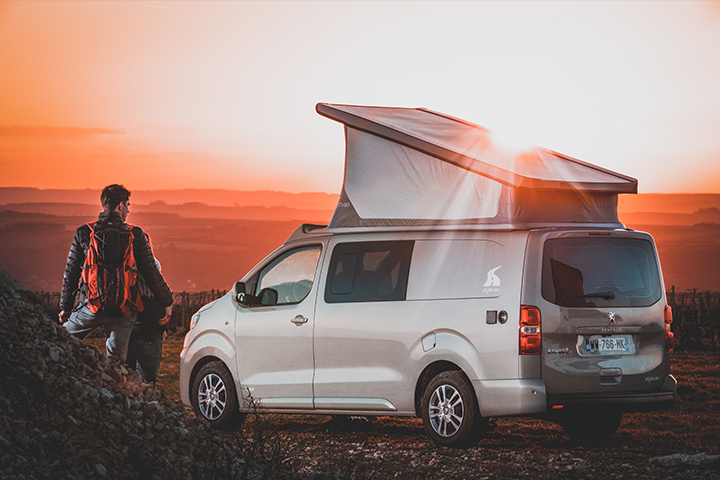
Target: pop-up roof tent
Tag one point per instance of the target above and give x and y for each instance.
(413, 166)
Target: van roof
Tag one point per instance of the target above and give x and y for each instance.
(471, 147)
(307, 230)
(408, 166)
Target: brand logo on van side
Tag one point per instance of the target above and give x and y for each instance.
(611, 318)
(492, 285)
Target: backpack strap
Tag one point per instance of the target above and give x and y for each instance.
(93, 227)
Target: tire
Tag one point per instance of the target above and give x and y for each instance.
(449, 410)
(214, 398)
(589, 425)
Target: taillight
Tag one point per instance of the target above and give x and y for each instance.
(530, 339)
(669, 335)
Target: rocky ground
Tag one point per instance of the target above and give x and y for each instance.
(67, 411)
(530, 449)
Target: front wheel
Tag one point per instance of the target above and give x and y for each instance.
(214, 398)
(449, 410)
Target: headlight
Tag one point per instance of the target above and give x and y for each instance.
(194, 320)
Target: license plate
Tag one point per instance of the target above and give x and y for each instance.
(607, 344)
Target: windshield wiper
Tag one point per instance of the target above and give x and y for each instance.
(603, 295)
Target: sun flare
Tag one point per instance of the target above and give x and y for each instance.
(510, 141)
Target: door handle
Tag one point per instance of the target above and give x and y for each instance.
(299, 320)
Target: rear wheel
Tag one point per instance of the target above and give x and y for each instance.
(214, 398)
(449, 410)
(591, 425)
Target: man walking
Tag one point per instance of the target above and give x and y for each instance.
(104, 260)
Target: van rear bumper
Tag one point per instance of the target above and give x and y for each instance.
(510, 397)
(627, 402)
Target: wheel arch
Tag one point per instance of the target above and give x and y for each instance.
(200, 349)
(201, 363)
(222, 412)
(428, 373)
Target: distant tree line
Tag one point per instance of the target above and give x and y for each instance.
(696, 314)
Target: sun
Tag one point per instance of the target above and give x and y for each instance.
(510, 141)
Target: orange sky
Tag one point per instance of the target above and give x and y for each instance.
(222, 94)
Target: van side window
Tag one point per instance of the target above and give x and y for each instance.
(369, 272)
(291, 274)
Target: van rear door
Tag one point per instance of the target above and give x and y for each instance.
(602, 306)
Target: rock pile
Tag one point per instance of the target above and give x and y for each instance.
(698, 460)
(67, 411)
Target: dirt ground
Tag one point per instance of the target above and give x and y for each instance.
(647, 445)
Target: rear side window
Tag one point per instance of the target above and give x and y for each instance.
(600, 272)
(368, 272)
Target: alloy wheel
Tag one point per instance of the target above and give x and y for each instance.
(212, 396)
(446, 410)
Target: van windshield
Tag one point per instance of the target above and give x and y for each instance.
(600, 272)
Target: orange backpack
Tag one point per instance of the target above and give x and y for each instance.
(110, 272)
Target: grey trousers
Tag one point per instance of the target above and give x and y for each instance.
(117, 329)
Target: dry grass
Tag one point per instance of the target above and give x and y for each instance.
(398, 447)
(168, 380)
(169, 377)
(693, 425)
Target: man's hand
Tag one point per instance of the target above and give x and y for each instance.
(63, 316)
(166, 319)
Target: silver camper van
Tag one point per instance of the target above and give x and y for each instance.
(455, 282)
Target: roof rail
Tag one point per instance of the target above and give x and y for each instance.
(309, 227)
(303, 230)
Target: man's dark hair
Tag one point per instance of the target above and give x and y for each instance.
(113, 195)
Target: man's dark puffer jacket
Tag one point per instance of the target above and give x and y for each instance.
(143, 258)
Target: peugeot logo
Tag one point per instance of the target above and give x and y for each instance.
(611, 318)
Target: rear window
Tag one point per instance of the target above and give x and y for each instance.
(600, 272)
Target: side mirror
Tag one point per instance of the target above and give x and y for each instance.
(239, 294)
(268, 296)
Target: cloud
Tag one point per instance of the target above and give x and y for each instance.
(44, 131)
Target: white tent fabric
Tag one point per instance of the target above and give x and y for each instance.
(429, 189)
(416, 167)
